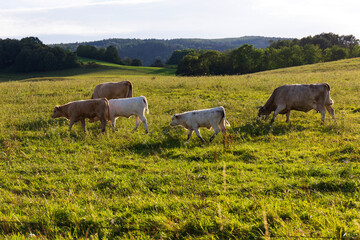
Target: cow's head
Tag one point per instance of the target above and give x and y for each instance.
(57, 113)
(263, 112)
(175, 120)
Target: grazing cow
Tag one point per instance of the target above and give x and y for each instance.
(192, 120)
(79, 110)
(127, 107)
(299, 97)
(112, 90)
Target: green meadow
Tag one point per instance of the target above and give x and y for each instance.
(281, 181)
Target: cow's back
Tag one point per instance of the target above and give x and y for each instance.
(88, 108)
(112, 90)
(204, 116)
(301, 97)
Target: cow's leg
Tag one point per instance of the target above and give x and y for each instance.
(144, 121)
(198, 134)
(323, 113)
(103, 124)
(71, 124)
(216, 131)
(113, 122)
(83, 124)
(330, 110)
(279, 109)
(288, 116)
(223, 130)
(138, 121)
(189, 135)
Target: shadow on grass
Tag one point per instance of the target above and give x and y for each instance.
(166, 140)
(39, 124)
(8, 75)
(257, 129)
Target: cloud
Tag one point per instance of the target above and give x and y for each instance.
(44, 5)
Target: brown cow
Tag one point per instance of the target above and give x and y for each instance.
(112, 90)
(79, 110)
(299, 97)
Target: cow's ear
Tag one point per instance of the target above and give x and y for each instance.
(259, 107)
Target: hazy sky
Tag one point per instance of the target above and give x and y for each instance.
(64, 21)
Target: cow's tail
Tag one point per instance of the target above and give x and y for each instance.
(329, 101)
(130, 90)
(146, 104)
(327, 86)
(226, 122)
(108, 109)
(224, 117)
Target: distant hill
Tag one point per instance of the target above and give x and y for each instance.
(149, 50)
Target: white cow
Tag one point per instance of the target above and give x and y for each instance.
(193, 120)
(127, 107)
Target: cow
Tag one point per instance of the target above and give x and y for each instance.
(127, 107)
(113, 90)
(299, 97)
(193, 120)
(79, 110)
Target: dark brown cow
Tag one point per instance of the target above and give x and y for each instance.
(79, 110)
(112, 90)
(299, 97)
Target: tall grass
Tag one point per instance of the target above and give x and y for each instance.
(296, 180)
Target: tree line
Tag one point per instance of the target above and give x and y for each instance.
(150, 50)
(108, 54)
(282, 53)
(30, 54)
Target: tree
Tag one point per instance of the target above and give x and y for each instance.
(157, 63)
(136, 62)
(33, 55)
(190, 66)
(177, 55)
(312, 54)
(127, 61)
(246, 59)
(336, 53)
(112, 55)
(212, 62)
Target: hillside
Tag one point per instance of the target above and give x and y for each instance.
(297, 180)
(150, 49)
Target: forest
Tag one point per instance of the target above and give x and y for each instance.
(280, 54)
(30, 55)
(150, 50)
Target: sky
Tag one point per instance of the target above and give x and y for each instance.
(68, 21)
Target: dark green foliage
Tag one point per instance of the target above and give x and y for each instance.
(157, 63)
(110, 54)
(177, 55)
(30, 54)
(136, 62)
(148, 50)
(283, 53)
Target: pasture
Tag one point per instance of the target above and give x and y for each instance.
(283, 181)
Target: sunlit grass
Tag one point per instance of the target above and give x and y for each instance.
(301, 177)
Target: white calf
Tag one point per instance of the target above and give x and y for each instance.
(192, 120)
(127, 107)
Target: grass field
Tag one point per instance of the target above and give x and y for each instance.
(281, 181)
